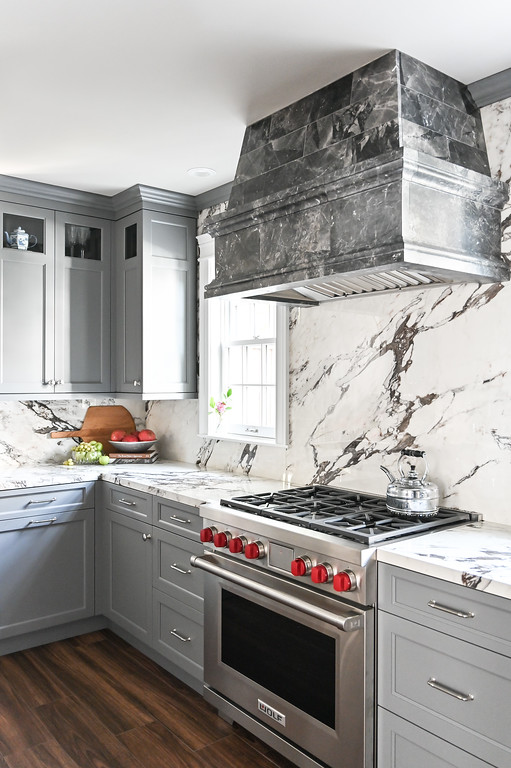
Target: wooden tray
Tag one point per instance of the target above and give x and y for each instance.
(99, 423)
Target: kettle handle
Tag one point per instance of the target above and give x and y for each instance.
(418, 454)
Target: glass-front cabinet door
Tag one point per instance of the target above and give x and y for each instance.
(26, 300)
(82, 309)
(129, 246)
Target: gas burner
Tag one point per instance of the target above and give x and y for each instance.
(347, 514)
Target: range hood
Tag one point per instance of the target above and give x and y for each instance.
(379, 181)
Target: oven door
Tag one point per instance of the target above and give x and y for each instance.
(296, 661)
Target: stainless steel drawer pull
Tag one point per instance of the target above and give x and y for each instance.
(128, 503)
(180, 520)
(451, 611)
(450, 691)
(180, 636)
(42, 501)
(41, 522)
(175, 567)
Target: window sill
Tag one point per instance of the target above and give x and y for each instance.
(241, 439)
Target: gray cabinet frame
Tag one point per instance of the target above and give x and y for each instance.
(82, 312)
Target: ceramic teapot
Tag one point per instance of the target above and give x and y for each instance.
(20, 239)
(411, 495)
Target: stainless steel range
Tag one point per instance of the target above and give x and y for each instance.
(290, 590)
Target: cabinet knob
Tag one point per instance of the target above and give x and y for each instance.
(146, 536)
(49, 383)
(136, 382)
(59, 381)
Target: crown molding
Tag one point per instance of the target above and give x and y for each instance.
(491, 89)
(135, 198)
(213, 196)
(153, 199)
(64, 199)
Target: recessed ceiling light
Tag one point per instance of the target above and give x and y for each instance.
(201, 172)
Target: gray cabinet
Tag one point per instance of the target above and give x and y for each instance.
(82, 304)
(403, 745)
(27, 295)
(178, 594)
(46, 558)
(54, 303)
(145, 583)
(444, 666)
(155, 294)
(125, 551)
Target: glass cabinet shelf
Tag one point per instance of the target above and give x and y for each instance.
(83, 242)
(23, 233)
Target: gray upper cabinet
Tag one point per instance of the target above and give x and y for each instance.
(54, 302)
(156, 305)
(82, 304)
(27, 294)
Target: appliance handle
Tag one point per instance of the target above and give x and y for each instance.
(346, 622)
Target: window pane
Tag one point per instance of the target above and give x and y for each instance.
(241, 324)
(269, 371)
(252, 373)
(234, 372)
(268, 411)
(264, 320)
(251, 405)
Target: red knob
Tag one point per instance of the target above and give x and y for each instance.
(237, 545)
(207, 534)
(301, 566)
(221, 539)
(254, 550)
(321, 573)
(344, 581)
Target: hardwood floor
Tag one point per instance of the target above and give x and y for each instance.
(95, 702)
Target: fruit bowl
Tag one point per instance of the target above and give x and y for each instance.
(138, 447)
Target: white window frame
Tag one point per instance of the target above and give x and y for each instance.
(210, 361)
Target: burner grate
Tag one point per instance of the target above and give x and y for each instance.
(347, 514)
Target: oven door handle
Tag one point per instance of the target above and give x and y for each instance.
(348, 622)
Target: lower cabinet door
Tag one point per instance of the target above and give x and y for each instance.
(402, 745)
(126, 553)
(46, 570)
(179, 633)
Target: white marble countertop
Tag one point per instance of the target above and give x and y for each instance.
(476, 555)
(173, 480)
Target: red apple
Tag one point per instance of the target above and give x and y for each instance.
(130, 439)
(118, 435)
(146, 434)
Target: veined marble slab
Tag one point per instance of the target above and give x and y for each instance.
(176, 481)
(476, 555)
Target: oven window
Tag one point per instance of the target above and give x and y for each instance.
(293, 661)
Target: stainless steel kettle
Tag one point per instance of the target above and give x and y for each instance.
(411, 495)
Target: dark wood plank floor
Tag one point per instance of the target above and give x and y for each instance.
(95, 702)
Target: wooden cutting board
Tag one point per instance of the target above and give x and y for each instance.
(99, 423)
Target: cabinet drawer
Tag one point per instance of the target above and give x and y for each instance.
(178, 633)
(48, 499)
(46, 571)
(136, 504)
(403, 745)
(482, 619)
(421, 674)
(179, 518)
(172, 572)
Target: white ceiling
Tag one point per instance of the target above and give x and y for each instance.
(103, 94)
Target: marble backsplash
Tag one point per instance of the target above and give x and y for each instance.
(368, 376)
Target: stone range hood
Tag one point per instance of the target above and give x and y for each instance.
(378, 181)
